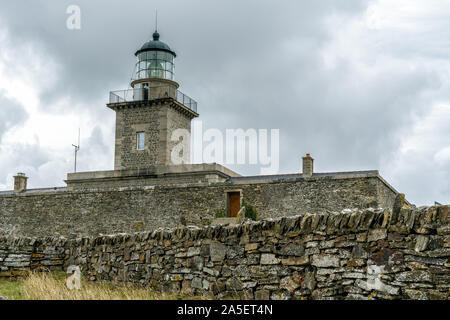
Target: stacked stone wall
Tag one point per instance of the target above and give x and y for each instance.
(370, 254)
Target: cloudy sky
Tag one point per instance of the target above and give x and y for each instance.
(359, 84)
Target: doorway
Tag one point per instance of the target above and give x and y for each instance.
(234, 203)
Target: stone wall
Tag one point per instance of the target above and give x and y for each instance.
(142, 208)
(131, 119)
(176, 120)
(158, 119)
(370, 254)
(385, 194)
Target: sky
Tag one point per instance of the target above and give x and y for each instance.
(360, 85)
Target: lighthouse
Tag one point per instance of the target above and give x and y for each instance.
(149, 113)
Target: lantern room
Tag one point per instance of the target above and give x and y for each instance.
(153, 76)
(155, 60)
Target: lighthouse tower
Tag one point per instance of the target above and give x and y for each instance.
(153, 118)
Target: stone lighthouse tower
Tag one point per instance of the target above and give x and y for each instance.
(153, 118)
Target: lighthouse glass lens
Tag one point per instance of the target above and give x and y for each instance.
(155, 64)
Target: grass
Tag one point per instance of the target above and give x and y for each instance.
(52, 286)
(11, 288)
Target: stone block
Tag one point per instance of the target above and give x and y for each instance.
(217, 287)
(415, 294)
(196, 263)
(211, 272)
(205, 284)
(295, 261)
(325, 260)
(377, 234)
(250, 284)
(421, 243)
(354, 275)
(217, 251)
(268, 258)
(413, 276)
(443, 230)
(279, 295)
(251, 246)
(193, 251)
(197, 283)
(289, 284)
(234, 284)
(262, 294)
(374, 284)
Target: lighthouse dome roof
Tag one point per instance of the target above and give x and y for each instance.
(155, 45)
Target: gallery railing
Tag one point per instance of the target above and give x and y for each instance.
(152, 93)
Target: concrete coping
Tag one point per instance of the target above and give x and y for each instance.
(155, 171)
(314, 176)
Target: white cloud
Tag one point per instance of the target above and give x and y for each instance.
(421, 166)
(392, 42)
(442, 157)
(26, 71)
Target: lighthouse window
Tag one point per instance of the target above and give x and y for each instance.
(155, 64)
(157, 69)
(161, 55)
(140, 140)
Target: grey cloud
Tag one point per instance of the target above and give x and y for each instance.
(23, 158)
(100, 56)
(98, 148)
(11, 114)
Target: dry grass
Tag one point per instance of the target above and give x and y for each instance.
(52, 286)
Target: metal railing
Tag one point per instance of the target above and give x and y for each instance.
(152, 93)
(186, 101)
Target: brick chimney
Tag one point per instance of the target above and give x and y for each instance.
(308, 165)
(20, 182)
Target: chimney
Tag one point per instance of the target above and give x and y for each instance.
(308, 165)
(20, 182)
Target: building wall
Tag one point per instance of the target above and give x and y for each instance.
(129, 121)
(385, 193)
(120, 184)
(130, 209)
(158, 119)
(178, 120)
(370, 254)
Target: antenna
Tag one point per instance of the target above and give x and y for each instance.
(156, 20)
(77, 148)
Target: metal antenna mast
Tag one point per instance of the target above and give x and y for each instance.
(156, 20)
(77, 148)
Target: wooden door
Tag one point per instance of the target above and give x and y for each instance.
(234, 203)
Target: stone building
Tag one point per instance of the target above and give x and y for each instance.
(154, 185)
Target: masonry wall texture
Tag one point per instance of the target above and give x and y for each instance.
(94, 212)
(369, 254)
(144, 182)
(158, 119)
(177, 120)
(129, 121)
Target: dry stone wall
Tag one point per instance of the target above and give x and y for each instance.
(369, 254)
